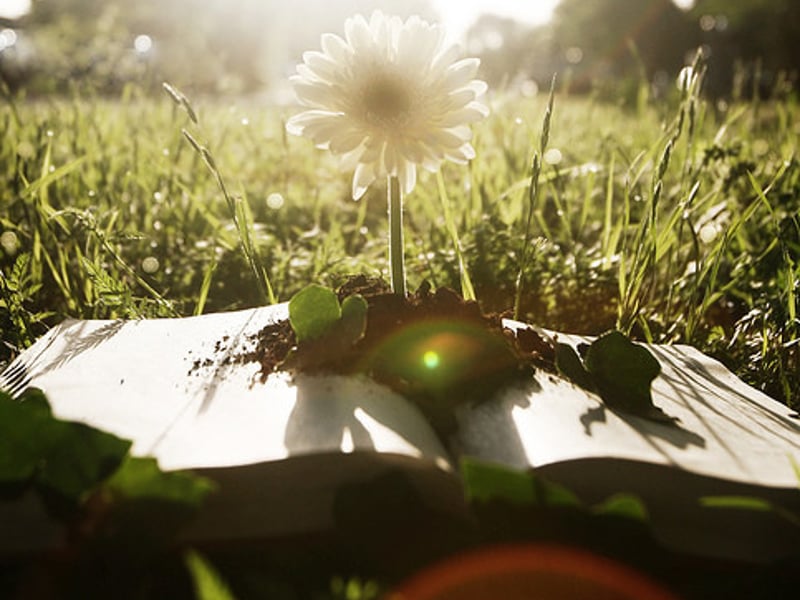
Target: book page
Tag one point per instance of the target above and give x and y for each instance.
(187, 392)
(723, 428)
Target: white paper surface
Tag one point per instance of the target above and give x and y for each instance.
(176, 388)
(724, 428)
(180, 391)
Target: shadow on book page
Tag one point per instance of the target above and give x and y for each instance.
(722, 427)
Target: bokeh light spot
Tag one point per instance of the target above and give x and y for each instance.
(150, 265)
(8, 37)
(143, 43)
(275, 201)
(9, 242)
(431, 359)
(553, 156)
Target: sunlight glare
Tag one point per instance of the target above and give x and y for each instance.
(459, 15)
(13, 9)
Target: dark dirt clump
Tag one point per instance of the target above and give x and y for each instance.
(432, 347)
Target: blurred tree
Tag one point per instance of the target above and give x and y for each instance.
(510, 50)
(760, 35)
(606, 39)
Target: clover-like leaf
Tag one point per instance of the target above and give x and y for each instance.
(313, 311)
(354, 318)
(622, 372)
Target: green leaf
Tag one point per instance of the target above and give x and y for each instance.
(743, 502)
(313, 311)
(623, 372)
(208, 585)
(21, 441)
(623, 505)
(486, 481)
(753, 503)
(354, 318)
(78, 458)
(63, 459)
(570, 366)
(142, 479)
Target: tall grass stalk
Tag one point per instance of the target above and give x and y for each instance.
(530, 206)
(237, 207)
(467, 289)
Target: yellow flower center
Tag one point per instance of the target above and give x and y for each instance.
(386, 101)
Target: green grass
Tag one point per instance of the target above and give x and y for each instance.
(677, 222)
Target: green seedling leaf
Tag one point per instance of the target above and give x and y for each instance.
(353, 324)
(623, 372)
(313, 311)
(569, 364)
(622, 505)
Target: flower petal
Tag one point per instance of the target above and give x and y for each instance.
(388, 97)
(407, 175)
(321, 65)
(335, 47)
(362, 179)
(461, 73)
(311, 93)
(358, 34)
(471, 113)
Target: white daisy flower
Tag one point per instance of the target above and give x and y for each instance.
(387, 98)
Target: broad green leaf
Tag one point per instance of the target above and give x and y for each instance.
(354, 318)
(142, 479)
(624, 505)
(65, 460)
(34, 401)
(21, 438)
(623, 372)
(313, 311)
(78, 458)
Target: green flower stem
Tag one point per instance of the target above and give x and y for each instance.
(396, 236)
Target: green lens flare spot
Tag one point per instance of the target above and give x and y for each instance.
(431, 359)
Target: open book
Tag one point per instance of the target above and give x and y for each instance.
(184, 392)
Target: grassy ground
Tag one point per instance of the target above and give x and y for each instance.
(676, 221)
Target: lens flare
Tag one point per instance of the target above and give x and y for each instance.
(431, 359)
(438, 354)
(530, 572)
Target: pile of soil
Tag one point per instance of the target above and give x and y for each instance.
(433, 347)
